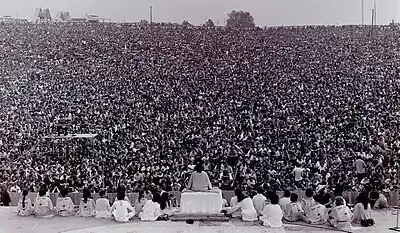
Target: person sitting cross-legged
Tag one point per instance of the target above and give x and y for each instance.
(121, 209)
(317, 214)
(24, 205)
(272, 214)
(340, 216)
(294, 212)
(64, 205)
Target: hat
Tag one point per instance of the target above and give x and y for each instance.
(320, 187)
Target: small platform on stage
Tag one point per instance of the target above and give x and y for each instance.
(177, 217)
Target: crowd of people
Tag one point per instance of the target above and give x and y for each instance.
(285, 108)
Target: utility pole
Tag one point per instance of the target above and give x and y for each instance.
(375, 12)
(362, 12)
(151, 14)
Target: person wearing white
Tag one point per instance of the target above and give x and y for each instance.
(24, 205)
(87, 207)
(284, 201)
(122, 210)
(317, 213)
(362, 211)
(199, 180)
(140, 202)
(103, 209)
(293, 209)
(272, 214)
(43, 206)
(234, 202)
(64, 205)
(340, 216)
(308, 201)
(381, 202)
(151, 210)
(259, 200)
(245, 206)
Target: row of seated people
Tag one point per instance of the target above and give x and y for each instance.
(121, 210)
(310, 210)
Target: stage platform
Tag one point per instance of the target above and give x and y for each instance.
(10, 223)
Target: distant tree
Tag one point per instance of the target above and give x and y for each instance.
(209, 23)
(240, 19)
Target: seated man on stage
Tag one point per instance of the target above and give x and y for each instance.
(200, 182)
(200, 196)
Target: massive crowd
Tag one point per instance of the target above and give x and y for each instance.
(255, 106)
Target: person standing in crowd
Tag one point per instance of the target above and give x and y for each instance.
(360, 168)
(298, 175)
(293, 209)
(64, 205)
(24, 205)
(272, 214)
(121, 209)
(43, 207)
(87, 206)
(259, 200)
(103, 209)
(246, 207)
(341, 215)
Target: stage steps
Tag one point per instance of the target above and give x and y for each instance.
(177, 217)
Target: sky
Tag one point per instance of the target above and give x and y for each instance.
(265, 12)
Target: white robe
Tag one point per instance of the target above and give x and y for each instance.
(125, 199)
(294, 212)
(65, 207)
(43, 207)
(233, 203)
(317, 215)
(247, 210)
(306, 204)
(259, 201)
(139, 205)
(271, 216)
(359, 213)
(103, 209)
(283, 202)
(87, 209)
(340, 217)
(122, 211)
(27, 210)
(151, 211)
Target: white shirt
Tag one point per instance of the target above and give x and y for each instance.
(259, 202)
(103, 209)
(247, 210)
(27, 210)
(298, 172)
(64, 206)
(233, 203)
(317, 214)
(121, 208)
(306, 204)
(43, 206)
(125, 199)
(151, 211)
(272, 216)
(283, 203)
(87, 209)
